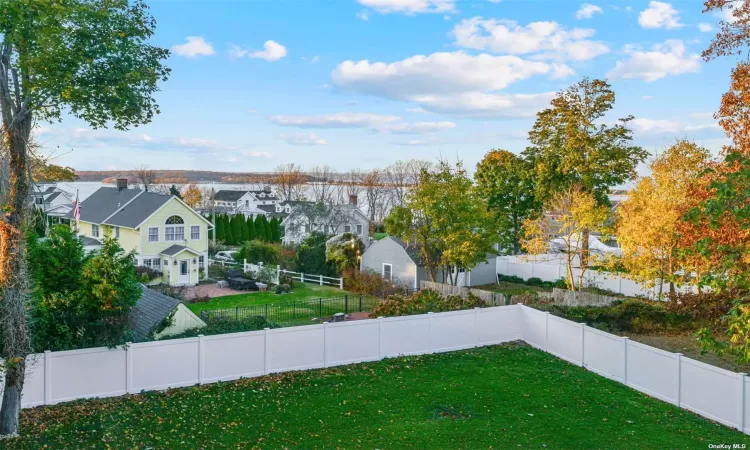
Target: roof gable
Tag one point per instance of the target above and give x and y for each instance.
(141, 208)
(229, 195)
(105, 202)
(150, 310)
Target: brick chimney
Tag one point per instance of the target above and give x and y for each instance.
(353, 199)
(122, 183)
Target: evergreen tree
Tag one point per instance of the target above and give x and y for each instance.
(243, 225)
(220, 233)
(260, 228)
(251, 234)
(275, 230)
(269, 235)
(174, 191)
(237, 221)
(229, 233)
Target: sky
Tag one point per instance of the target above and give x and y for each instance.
(364, 83)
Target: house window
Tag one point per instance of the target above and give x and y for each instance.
(94, 230)
(147, 262)
(117, 232)
(157, 263)
(39, 200)
(195, 232)
(347, 228)
(388, 272)
(359, 229)
(247, 202)
(201, 262)
(175, 229)
(153, 234)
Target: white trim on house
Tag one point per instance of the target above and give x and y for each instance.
(390, 271)
(191, 233)
(148, 234)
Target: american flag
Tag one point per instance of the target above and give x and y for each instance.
(77, 208)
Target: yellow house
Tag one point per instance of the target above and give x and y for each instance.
(166, 234)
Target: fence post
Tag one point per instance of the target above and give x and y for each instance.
(278, 274)
(301, 277)
(201, 356)
(320, 307)
(266, 352)
(360, 302)
(583, 344)
(128, 368)
(380, 338)
(625, 362)
(320, 277)
(679, 378)
(476, 325)
(546, 331)
(237, 314)
(429, 332)
(47, 377)
(346, 304)
(325, 344)
(244, 265)
(341, 283)
(741, 408)
(266, 310)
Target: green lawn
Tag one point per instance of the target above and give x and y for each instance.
(494, 397)
(300, 292)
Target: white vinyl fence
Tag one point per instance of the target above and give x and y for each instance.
(552, 268)
(55, 377)
(297, 276)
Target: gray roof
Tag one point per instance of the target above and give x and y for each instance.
(102, 203)
(149, 311)
(127, 207)
(228, 195)
(175, 249)
(53, 196)
(411, 250)
(88, 241)
(138, 210)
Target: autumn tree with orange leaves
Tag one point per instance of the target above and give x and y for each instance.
(717, 233)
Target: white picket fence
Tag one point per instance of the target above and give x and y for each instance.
(297, 276)
(55, 377)
(550, 268)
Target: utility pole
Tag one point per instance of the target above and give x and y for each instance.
(213, 214)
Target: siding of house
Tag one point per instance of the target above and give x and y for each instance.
(174, 273)
(386, 251)
(484, 273)
(173, 208)
(183, 320)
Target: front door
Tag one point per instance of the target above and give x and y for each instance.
(184, 275)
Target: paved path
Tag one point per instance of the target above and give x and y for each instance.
(211, 291)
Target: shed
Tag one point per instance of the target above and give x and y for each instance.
(153, 307)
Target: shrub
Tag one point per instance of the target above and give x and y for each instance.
(368, 282)
(146, 274)
(423, 302)
(257, 251)
(218, 271)
(534, 281)
(707, 306)
(266, 275)
(638, 316)
(283, 289)
(176, 292)
(219, 326)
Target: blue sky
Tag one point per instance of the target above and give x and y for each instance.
(363, 83)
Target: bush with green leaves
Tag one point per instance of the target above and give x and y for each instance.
(423, 302)
(146, 274)
(220, 326)
(534, 281)
(266, 275)
(257, 251)
(311, 256)
(344, 251)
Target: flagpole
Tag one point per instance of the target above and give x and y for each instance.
(77, 213)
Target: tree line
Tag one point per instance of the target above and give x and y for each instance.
(236, 229)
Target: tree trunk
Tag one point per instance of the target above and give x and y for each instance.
(14, 278)
(584, 248)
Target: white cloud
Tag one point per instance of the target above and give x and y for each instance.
(702, 115)
(726, 14)
(376, 122)
(362, 15)
(643, 126)
(663, 60)
(193, 47)
(409, 7)
(272, 51)
(646, 97)
(451, 83)
(587, 11)
(338, 120)
(90, 138)
(314, 59)
(705, 27)
(544, 39)
(302, 139)
(659, 15)
(494, 1)
(418, 110)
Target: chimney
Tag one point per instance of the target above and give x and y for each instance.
(122, 183)
(353, 199)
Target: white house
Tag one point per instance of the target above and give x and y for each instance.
(303, 217)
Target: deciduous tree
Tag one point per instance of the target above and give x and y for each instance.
(192, 195)
(50, 62)
(505, 183)
(289, 182)
(648, 223)
(570, 146)
(568, 214)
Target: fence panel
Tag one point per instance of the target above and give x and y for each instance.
(177, 361)
(711, 392)
(296, 348)
(408, 335)
(533, 327)
(604, 353)
(34, 390)
(351, 342)
(496, 325)
(746, 406)
(453, 330)
(86, 373)
(231, 356)
(565, 339)
(653, 371)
